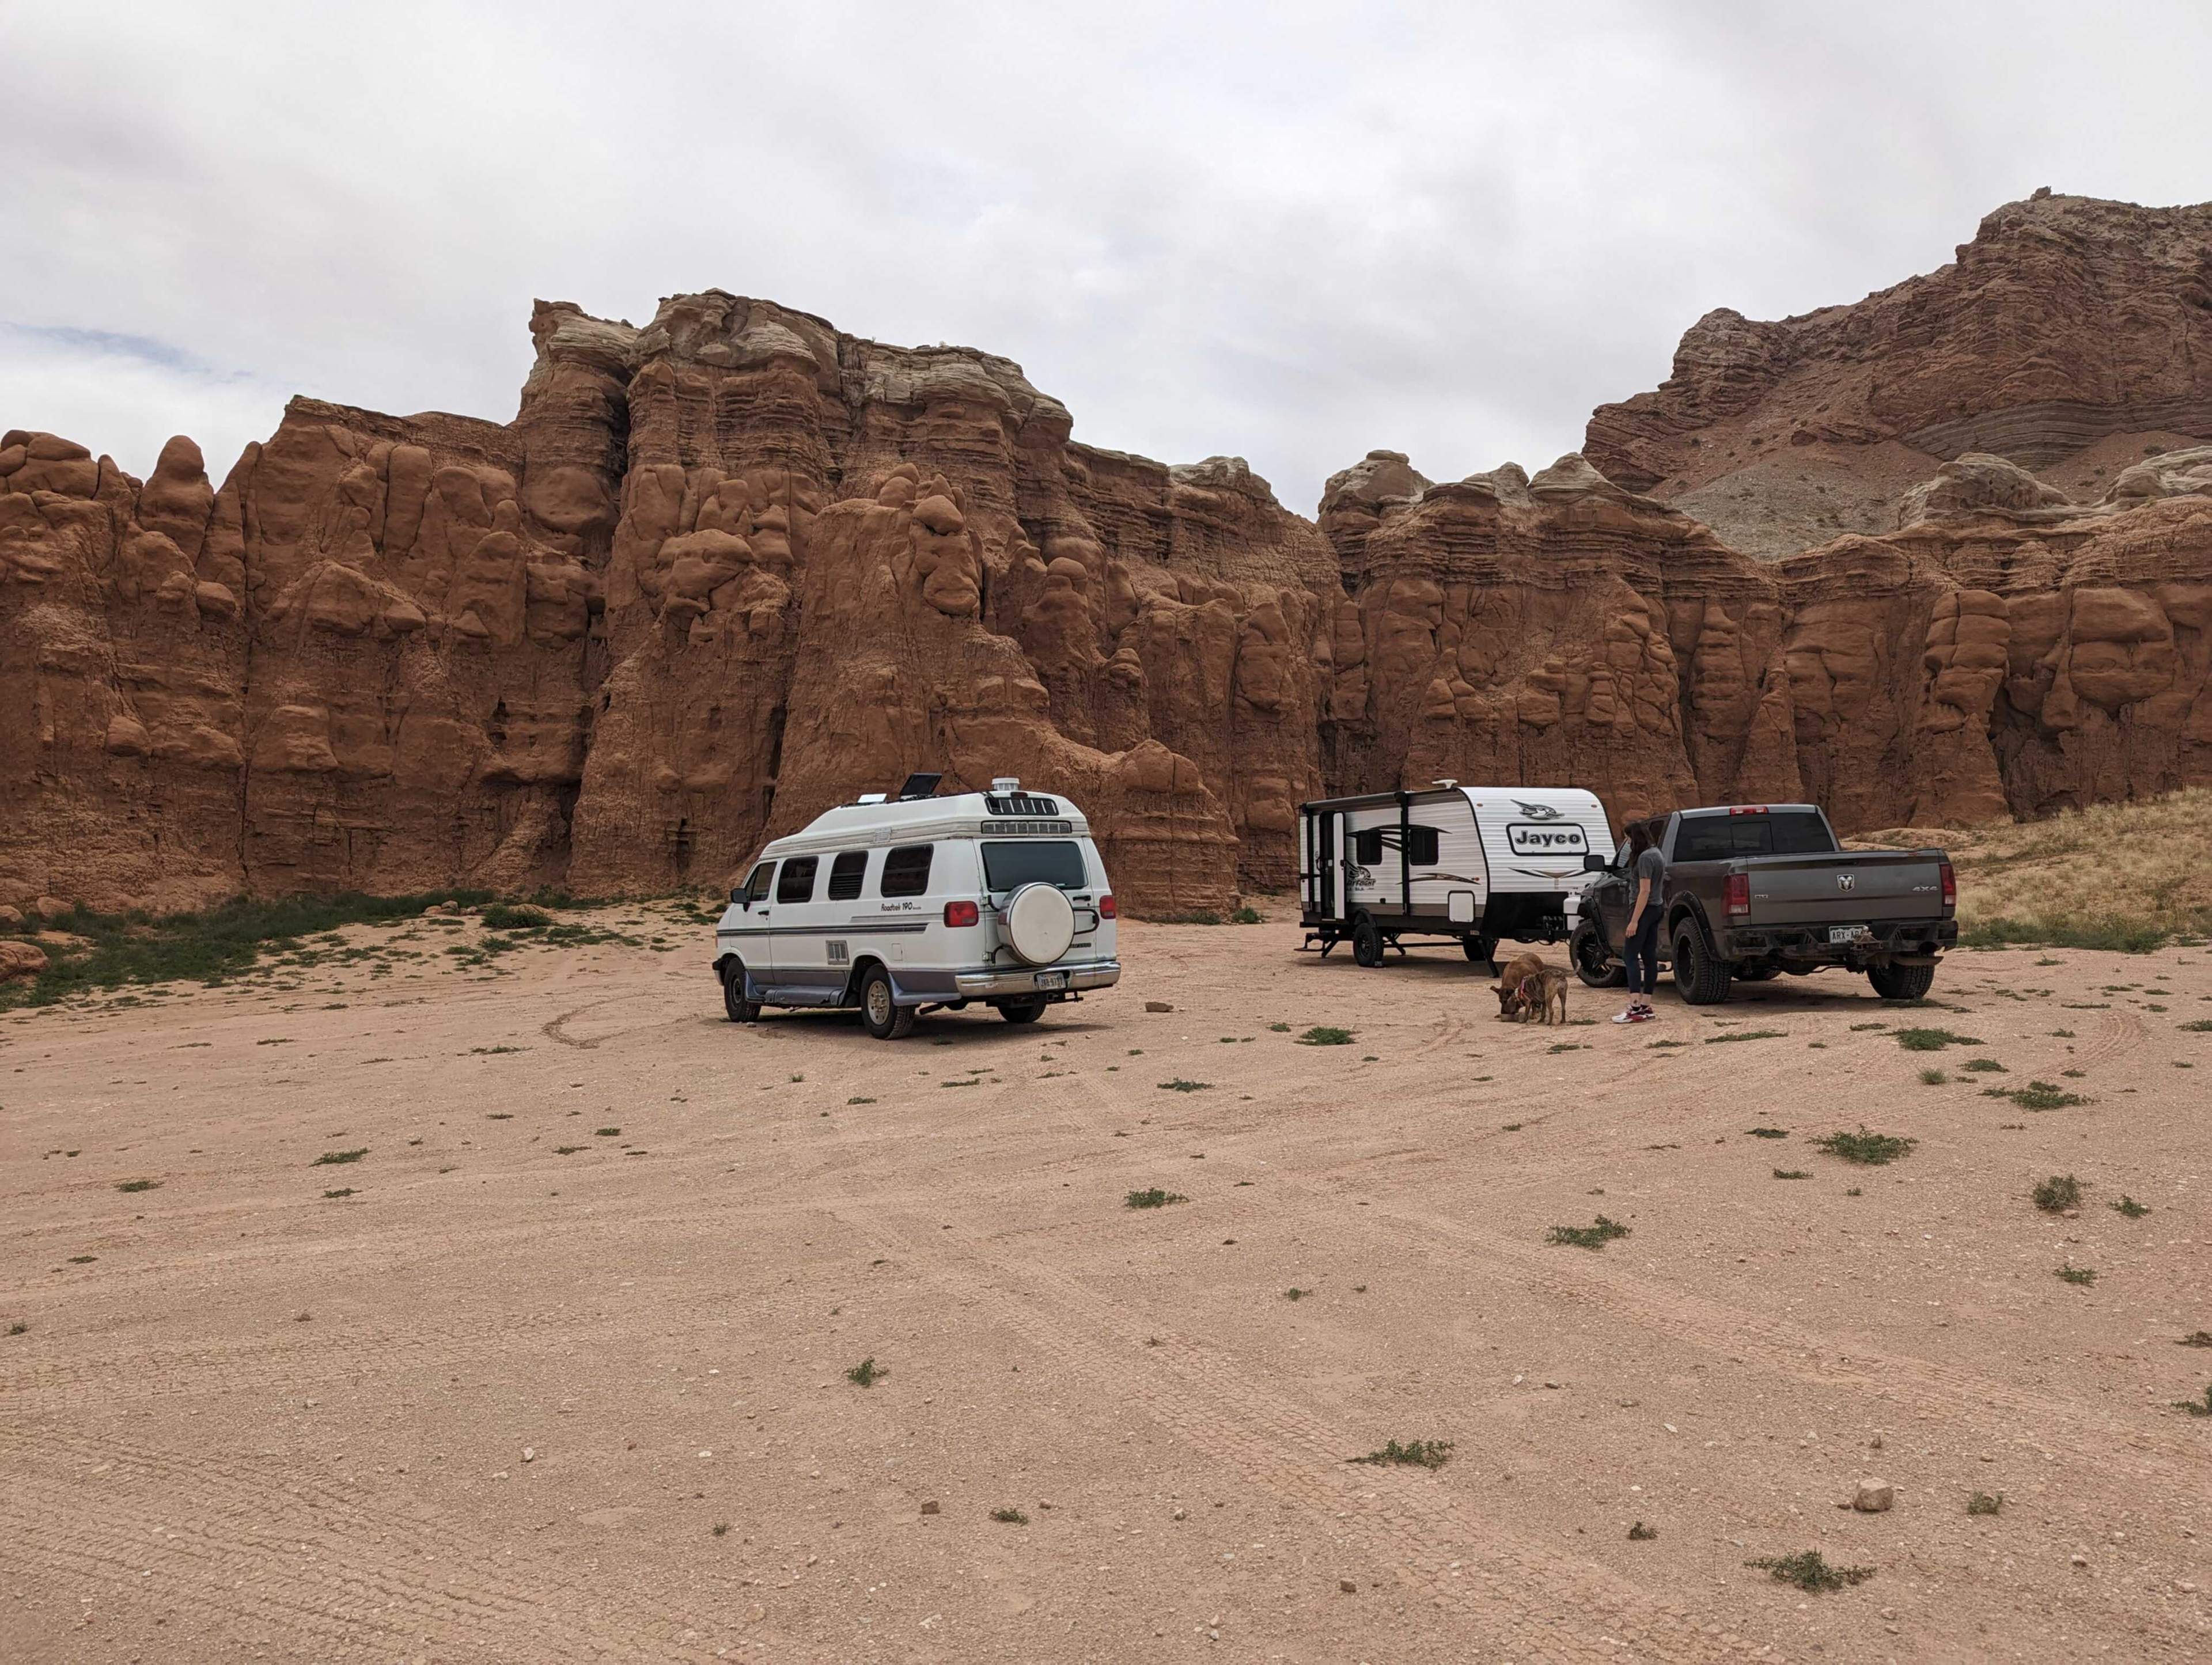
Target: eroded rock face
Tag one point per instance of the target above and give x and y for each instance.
(732, 567)
(2066, 321)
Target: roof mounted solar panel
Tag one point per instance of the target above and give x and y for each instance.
(919, 786)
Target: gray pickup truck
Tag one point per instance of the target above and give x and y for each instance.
(1756, 890)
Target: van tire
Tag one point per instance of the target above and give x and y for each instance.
(1703, 979)
(1901, 983)
(735, 1005)
(1594, 964)
(1483, 951)
(1366, 942)
(1026, 1011)
(880, 1012)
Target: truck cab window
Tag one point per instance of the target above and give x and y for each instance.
(797, 884)
(757, 887)
(846, 873)
(906, 871)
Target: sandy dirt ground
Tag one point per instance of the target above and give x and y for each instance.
(562, 1375)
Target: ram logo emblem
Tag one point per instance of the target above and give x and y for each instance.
(1846, 882)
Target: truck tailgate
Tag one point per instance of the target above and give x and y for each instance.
(1848, 887)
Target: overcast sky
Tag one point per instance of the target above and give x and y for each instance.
(1293, 232)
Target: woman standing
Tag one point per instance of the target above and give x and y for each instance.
(1640, 943)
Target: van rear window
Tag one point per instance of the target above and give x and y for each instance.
(1781, 832)
(1009, 864)
(906, 871)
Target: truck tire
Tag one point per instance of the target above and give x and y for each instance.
(1024, 1011)
(1594, 964)
(1901, 983)
(739, 1009)
(880, 1012)
(1483, 951)
(1366, 942)
(1703, 979)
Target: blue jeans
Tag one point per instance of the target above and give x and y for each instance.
(1640, 950)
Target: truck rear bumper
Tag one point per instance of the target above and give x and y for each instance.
(1810, 943)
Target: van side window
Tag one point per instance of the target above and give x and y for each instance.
(1421, 846)
(797, 884)
(845, 875)
(906, 871)
(757, 886)
(1367, 847)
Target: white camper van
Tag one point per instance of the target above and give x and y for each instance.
(1472, 864)
(899, 904)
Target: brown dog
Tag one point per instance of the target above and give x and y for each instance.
(1544, 992)
(1510, 976)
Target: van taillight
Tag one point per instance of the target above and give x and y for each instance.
(1106, 908)
(1950, 887)
(961, 913)
(1739, 895)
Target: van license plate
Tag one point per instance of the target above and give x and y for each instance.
(1052, 980)
(1848, 934)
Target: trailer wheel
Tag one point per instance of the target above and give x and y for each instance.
(1483, 951)
(739, 1009)
(1703, 979)
(1366, 942)
(1901, 983)
(1593, 964)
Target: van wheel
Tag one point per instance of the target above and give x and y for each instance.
(1596, 968)
(1366, 942)
(1024, 1011)
(1901, 983)
(1703, 979)
(734, 1003)
(886, 1019)
(1483, 951)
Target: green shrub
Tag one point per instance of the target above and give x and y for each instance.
(2057, 1194)
(1414, 1453)
(1873, 1150)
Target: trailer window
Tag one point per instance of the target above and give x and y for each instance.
(906, 871)
(845, 875)
(1785, 832)
(757, 887)
(1008, 866)
(1369, 845)
(797, 884)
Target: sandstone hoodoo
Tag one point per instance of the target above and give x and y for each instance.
(1941, 556)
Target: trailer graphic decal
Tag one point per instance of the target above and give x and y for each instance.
(1554, 838)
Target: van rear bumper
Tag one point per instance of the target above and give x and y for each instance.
(1089, 974)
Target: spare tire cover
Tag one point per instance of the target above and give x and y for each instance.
(1040, 923)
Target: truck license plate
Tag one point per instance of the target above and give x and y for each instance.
(1052, 980)
(1848, 934)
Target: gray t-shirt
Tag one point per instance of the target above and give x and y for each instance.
(1652, 867)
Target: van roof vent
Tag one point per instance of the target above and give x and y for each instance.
(1005, 785)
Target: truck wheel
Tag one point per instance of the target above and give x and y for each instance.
(734, 1003)
(1024, 1011)
(1483, 951)
(885, 1019)
(1901, 983)
(1593, 964)
(1366, 942)
(1703, 979)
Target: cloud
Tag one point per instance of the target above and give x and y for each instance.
(1295, 232)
